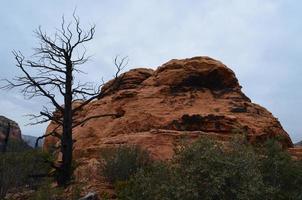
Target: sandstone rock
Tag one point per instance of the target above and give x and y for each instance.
(14, 129)
(131, 79)
(195, 73)
(296, 152)
(181, 100)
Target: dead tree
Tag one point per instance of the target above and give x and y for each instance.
(50, 73)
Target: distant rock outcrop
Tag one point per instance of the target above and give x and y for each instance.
(11, 127)
(180, 100)
(298, 143)
(31, 140)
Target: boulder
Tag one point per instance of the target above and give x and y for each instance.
(180, 100)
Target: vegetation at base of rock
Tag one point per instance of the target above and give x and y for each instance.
(209, 170)
(47, 192)
(120, 163)
(20, 169)
(282, 175)
(14, 145)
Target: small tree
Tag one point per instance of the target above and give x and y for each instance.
(50, 73)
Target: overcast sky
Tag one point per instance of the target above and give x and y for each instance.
(260, 40)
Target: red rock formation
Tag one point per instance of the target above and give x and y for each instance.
(14, 129)
(181, 100)
(296, 152)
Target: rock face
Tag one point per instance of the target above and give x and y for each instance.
(11, 126)
(181, 100)
(296, 152)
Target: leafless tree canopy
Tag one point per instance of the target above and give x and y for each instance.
(51, 73)
(50, 60)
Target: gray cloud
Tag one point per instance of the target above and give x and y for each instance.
(260, 40)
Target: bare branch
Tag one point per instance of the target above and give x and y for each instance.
(120, 65)
(53, 133)
(50, 73)
(30, 82)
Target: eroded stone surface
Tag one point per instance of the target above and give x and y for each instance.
(181, 100)
(11, 126)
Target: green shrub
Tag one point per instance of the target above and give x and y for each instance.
(8, 171)
(151, 183)
(47, 192)
(122, 162)
(18, 169)
(282, 175)
(208, 170)
(213, 172)
(17, 146)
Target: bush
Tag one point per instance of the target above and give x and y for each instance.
(122, 162)
(17, 146)
(150, 183)
(47, 192)
(213, 172)
(282, 175)
(209, 170)
(19, 169)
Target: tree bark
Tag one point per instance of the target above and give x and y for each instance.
(65, 171)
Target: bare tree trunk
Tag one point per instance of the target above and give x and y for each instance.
(52, 74)
(65, 171)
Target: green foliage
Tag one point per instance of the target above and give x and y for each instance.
(209, 170)
(18, 169)
(105, 196)
(122, 162)
(151, 183)
(47, 192)
(17, 146)
(281, 174)
(215, 173)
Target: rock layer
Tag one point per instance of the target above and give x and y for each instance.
(180, 100)
(7, 125)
